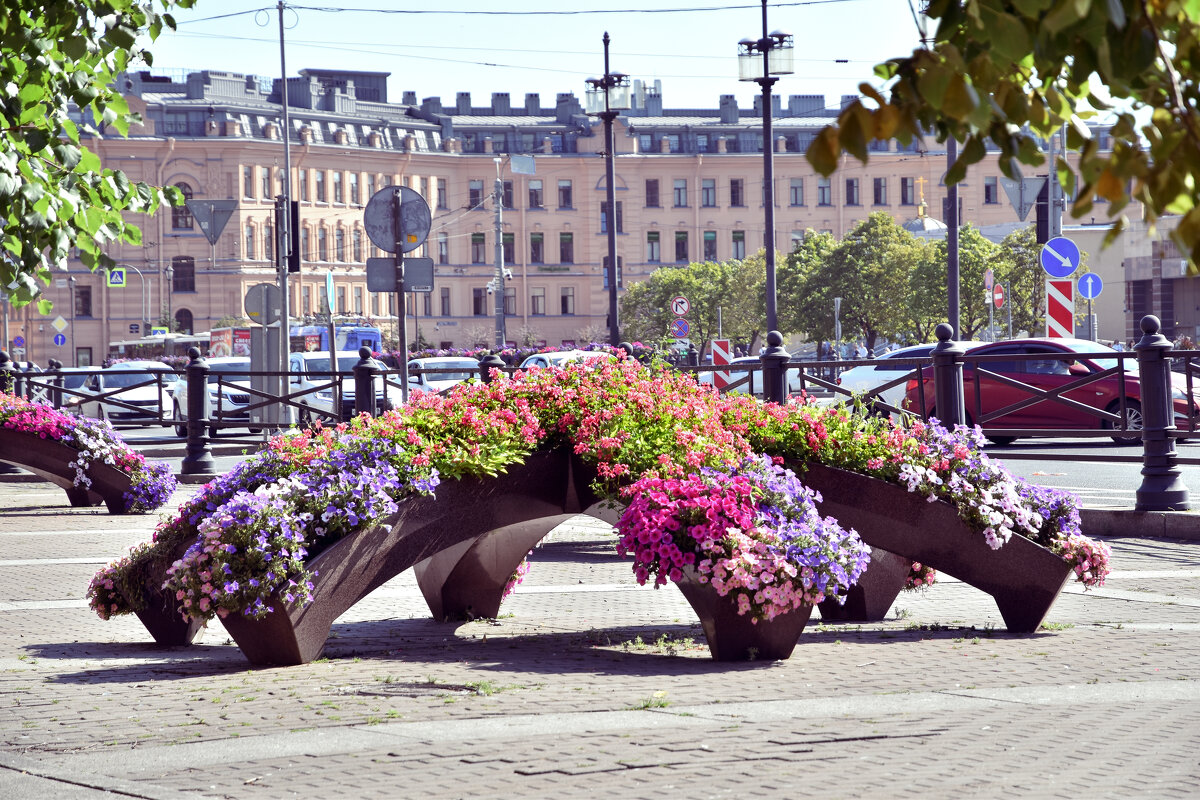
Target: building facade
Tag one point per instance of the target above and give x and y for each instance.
(688, 187)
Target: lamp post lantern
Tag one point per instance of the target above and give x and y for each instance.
(607, 96)
(775, 51)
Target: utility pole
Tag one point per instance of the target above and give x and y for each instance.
(498, 280)
(283, 251)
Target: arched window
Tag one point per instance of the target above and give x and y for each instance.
(181, 216)
(183, 274)
(358, 245)
(339, 244)
(322, 245)
(183, 321)
(306, 243)
(251, 252)
(269, 242)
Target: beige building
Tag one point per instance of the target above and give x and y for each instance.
(688, 188)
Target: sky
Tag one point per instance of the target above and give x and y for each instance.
(438, 49)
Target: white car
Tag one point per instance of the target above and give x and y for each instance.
(309, 373)
(130, 392)
(226, 399)
(562, 357)
(887, 367)
(454, 370)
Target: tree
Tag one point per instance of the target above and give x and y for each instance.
(1026, 281)
(1002, 75)
(805, 304)
(975, 255)
(54, 193)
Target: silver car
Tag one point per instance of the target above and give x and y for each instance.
(226, 399)
(130, 393)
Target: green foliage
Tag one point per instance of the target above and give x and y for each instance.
(54, 193)
(975, 255)
(1007, 74)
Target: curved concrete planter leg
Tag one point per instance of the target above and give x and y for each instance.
(49, 459)
(160, 613)
(352, 567)
(734, 637)
(1022, 577)
(876, 590)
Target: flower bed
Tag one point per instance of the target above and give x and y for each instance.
(90, 447)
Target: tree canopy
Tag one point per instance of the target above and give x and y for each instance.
(54, 193)
(1009, 73)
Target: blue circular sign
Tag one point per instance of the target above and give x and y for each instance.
(19, 341)
(1090, 286)
(1059, 257)
(680, 328)
(60, 339)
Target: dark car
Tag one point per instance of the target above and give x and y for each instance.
(1047, 365)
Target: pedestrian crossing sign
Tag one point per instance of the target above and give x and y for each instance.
(116, 278)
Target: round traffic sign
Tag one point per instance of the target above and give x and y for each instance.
(998, 295)
(379, 219)
(19, 341)
(680, 328)
(1090, 286)
(60, 339)
(263, 302)
(1059, 257)
(680, 306)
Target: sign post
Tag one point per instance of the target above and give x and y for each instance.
(1090, 287)
(1060, 309)
(721, 354)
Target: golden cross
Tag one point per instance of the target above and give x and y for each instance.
(921, 189)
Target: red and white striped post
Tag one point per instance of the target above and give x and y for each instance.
(1060, 309)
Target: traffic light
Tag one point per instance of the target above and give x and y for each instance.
(1042, 209)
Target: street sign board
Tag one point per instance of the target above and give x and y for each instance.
(1090, 286)
(998, 295)
(1059, 257)
(418, 274)
(59, 323)
(329, 291)
(989, 279)
(263, 302)
(379, 219)
(212, 215)
(19, 341)
(680, 328)
(680, 306)
(383, 274)
(60, 339)
(116, 278)
(1022, 193)
(158, 330)
(722, 353)
(1060, 309)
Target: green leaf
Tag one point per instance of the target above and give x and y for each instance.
(44, 307)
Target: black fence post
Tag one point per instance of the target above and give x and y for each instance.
(948, 378)
(6, 373)
(487, 364)
(693, 355)
(56, 382)
(1161, 489)
(774, 358)
(364, 383)
(197, 459)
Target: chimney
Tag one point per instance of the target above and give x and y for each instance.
(533, 104)
(500, 103)
(729, 109)
(463, 103)
(722, 144)
(432, 105)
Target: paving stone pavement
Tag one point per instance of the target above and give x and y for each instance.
(590, 684)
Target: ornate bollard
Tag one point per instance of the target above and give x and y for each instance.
(6, 373)
(1161, 489)
(948, 378)
(487, 364)
(197, 459)
(364, 383)
(774, 360)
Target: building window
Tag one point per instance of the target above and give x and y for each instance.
(370, 185)
(536, 253)
(322, 244)
(424, 190)
(797, 239)
(506, 194)
(339, 195)
(302, 180)
(358, 245)
(681, 246)
(710, 245)
(478, 248)
(319, 177)
(708, 192)
(306, 244)
(444, 297)
(737, 192)
(508, 242)
(341, 299)
(824, 192)
(852, 198)
(479, 302)
(672, 140)
(358, 299)
(306, 300)
(510, 301)
(908, 194)
(183, 274)
(645, 143)
(880, 192)
(443, 248)
(83, 301)
(567, 301)
(248, 182)
(564, 194)
(269, 242)
(796, 192)
(566, 248)
(184, 321)
(475, 194)
(604, 217)
(266, 183)
(537, 302)
(680, 196)
(339, 244)
(739, 245)
(535, 194)
(653, 251)
(355, 197)
(620, 271)
(991, 190)
(250, 251)
(701, 143)
(443, 202)
(181, 216)
(652, 193)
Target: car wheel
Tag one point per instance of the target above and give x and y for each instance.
(1002, 441)
(180, 422)
(1133, 420)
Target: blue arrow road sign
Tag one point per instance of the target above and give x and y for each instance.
(680, 328)
(1090, 286)
(1060, 257)
(60, 339)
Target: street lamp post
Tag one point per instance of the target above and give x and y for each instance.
(775, 49)
(145, 297)
(607, 96)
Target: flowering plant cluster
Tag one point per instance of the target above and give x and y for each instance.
(752, 531)
(920, 576)
(97, 443)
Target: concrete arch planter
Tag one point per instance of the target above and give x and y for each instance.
(49, 460)
(1023, 578)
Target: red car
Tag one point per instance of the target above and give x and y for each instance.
(1048, 365)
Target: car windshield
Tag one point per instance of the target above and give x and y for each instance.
(320, 365)
(1104, 363)
(124, 379)
(228, 372)
(462, 371)
(74, 380)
